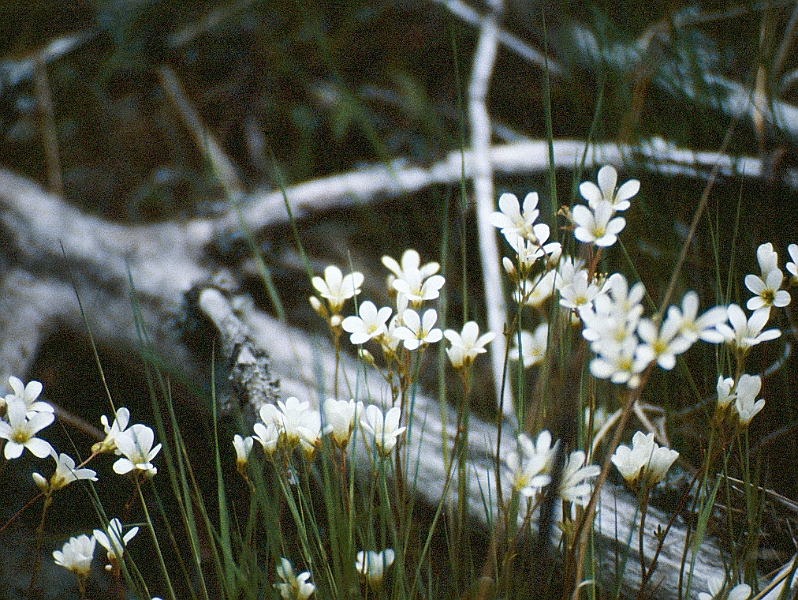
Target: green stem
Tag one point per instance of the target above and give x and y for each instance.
(155, 539)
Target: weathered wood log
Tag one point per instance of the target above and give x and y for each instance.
(163, 261)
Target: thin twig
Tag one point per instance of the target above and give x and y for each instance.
(481, 72)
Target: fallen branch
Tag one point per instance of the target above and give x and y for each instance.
(164, 261)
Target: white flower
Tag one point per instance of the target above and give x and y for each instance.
(662, 343)
(715, 586)
(766, 290)
(243, 446)
(410, 262)
(573, 485)
(268, 436)
(529, 251)
(418, 330)
(792, 266)
(536, 291)
(531, 469)
(65, 473)
(113, 541)
(111, 431)
(745, 333)
(389, 342)
(767, 258)
(627, 299)
(76, 555)
(694, 327)
(620, 363)
(532, 346)
(385, 429)
(416, 288)
(373, 565)
(294, 587)
(511, 220)
(645, 461)
(294, 420)
(725, 394)
(746, 405)
(135, 444)
(597, 226)
(20, 429)
(336, 287)
(467, 344)
(369, 323)
(339, 416)
(579, 292)
(28, 394)
(606, 190)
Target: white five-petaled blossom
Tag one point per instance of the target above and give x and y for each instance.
(65, 473)
(337, 288)
(370, 323)
(114, 541)
(76, 555)
(574, 486)
(664, 343)
(696, 328)
(467, 344)
(645, 461)
(418, 330)
(340, 417)
(416, 288)
(373, 565)
(511, 221)
(20, 429)
(607, 190)
(413, 281)
(532, 466)
(411, 261)
(385, 428)
(135, 445)
(766, 290)
(715, 586)
(532, 346)
(744, 333)
(745, 404)
(579, 292)
(243, 446)
(620, 362)
(29, 394)
(112, 430)
(293, 587)
(597, 226)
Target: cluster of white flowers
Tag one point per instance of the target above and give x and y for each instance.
(533, 464)
(77, 553)
(740, 396)
(293, 423)
(645, 463)
(23, 416)
(413, 284)
(624, 341)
